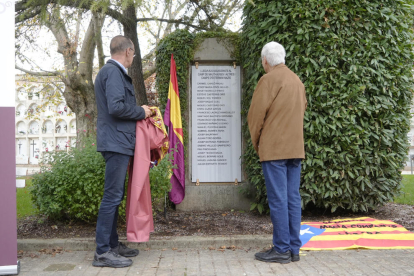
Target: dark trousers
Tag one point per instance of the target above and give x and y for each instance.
(115, 174)
(282, 179)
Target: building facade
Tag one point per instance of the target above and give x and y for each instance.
(44, 123)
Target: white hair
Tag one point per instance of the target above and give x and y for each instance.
(274, 52)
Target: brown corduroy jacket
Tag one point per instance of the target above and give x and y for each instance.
(276, 115)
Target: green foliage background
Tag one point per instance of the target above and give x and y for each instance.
(355, 59)
(71, 184)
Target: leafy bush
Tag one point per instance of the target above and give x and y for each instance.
(355, 59)
(160, 180)
(70, 185)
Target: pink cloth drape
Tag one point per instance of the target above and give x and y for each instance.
(149, 140)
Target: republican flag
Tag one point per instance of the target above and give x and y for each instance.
(364, 232)
(172, 119)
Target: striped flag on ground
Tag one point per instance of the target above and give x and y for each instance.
(354, 233)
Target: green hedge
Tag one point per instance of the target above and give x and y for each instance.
(71, 184)
(355, 59)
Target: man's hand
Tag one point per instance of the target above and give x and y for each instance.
(147, 111)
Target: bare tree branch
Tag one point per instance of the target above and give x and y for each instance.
(57, 26)
(172, 15)
(21, 17)
(78, 28)
(171, 21)
(23, 6)
(193, 16)
(229, 11)
(87, 52)
(204, 9)
(98, 20)
(167, 7)
(41, 74)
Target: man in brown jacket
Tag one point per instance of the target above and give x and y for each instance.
(276, 127)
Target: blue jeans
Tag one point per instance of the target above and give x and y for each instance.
(115, 174)
(282, 179)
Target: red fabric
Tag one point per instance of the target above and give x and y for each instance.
(140, 222)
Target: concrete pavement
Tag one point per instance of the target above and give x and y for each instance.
(228, 255)
(226, 262)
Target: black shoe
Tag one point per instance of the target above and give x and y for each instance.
(295, 257)
(125, 251)
(272, 256)
(110, 259)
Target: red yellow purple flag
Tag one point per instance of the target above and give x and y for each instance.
(355, 233)
(172, 119)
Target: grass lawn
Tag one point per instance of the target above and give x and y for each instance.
(24, 200)
(407, 197)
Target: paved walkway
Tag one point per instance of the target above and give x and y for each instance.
(233, 261)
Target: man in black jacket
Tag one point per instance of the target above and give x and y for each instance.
(117, 117)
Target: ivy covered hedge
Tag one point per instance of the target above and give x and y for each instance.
(355, 59)
(183, 45)
(180, 43)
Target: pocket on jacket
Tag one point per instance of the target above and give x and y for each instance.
(125, 136)
(130, 90)
(130, 95)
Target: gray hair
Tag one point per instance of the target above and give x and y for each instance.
(119, 44)
(274, 52)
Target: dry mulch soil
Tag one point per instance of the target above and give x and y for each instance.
(208, 223)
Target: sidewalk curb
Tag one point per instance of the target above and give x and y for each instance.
(88, 244)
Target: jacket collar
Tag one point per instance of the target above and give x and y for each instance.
(277, 66)
(120, 68)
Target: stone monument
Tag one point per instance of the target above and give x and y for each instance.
(214, 174)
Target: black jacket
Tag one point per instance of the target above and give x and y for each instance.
(117, 110)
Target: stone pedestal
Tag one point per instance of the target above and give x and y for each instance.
(205, 191)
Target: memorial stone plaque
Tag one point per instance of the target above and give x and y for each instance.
(216, 124)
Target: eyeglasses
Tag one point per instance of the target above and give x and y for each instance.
(133, 50)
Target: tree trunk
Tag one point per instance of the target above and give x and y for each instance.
(82, 103)
(135, 71)
(98, 20)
